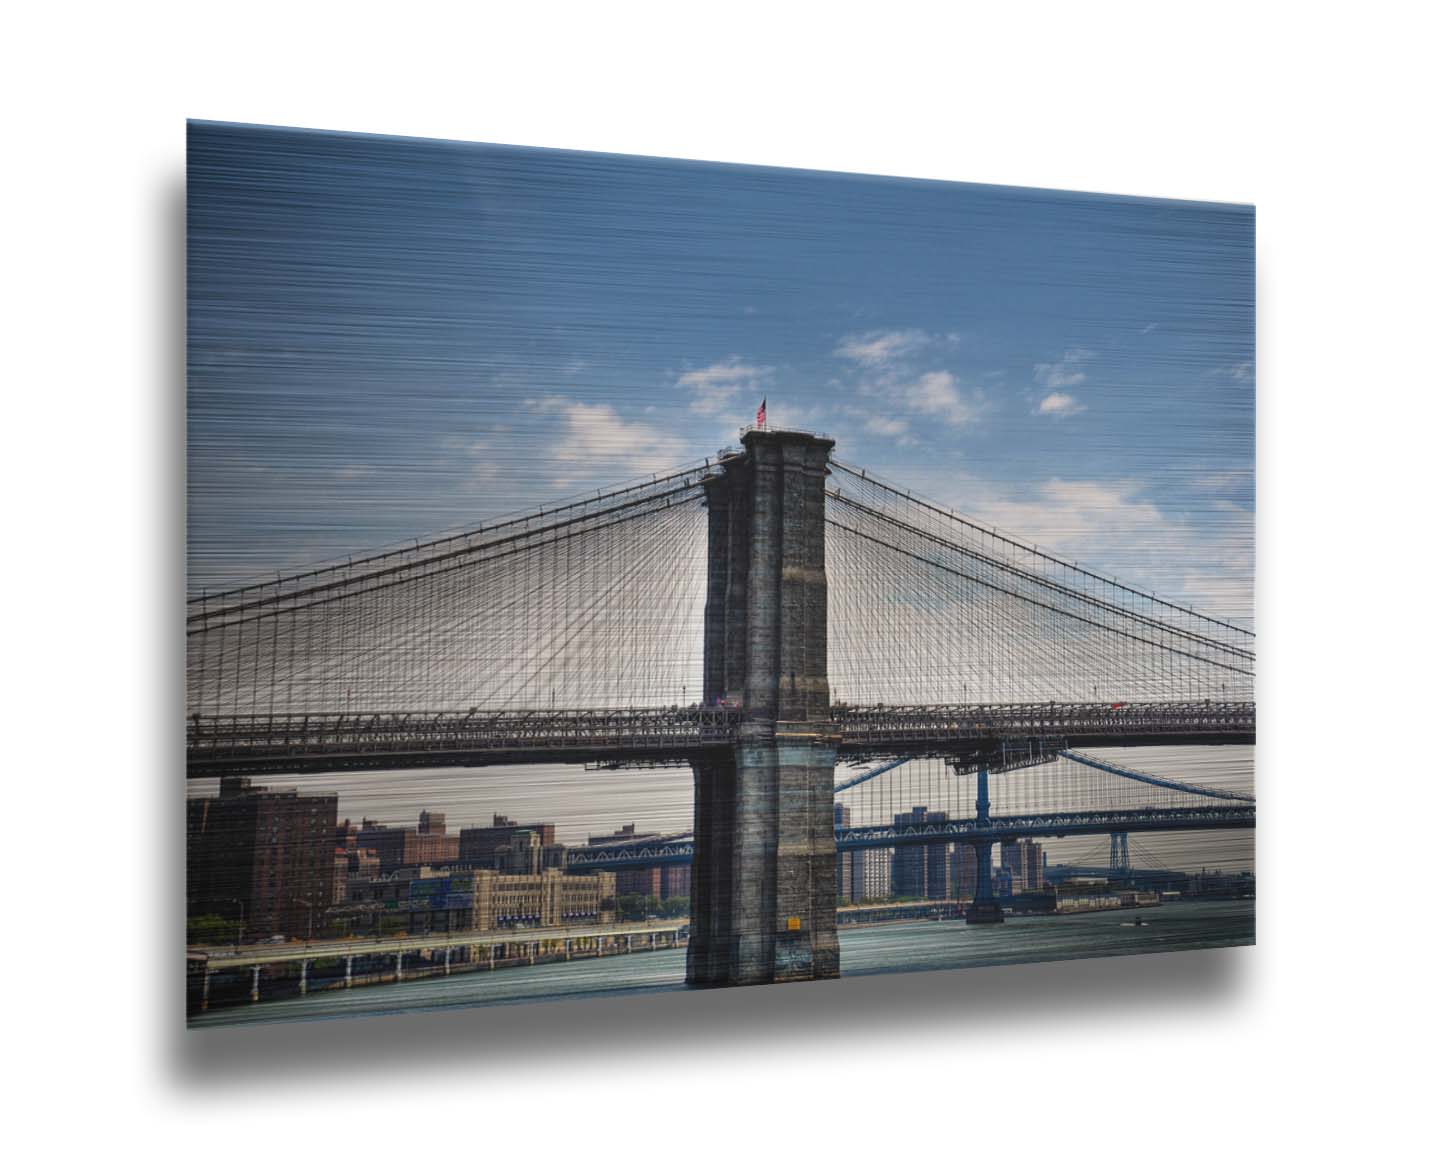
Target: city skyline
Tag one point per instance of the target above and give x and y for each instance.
(583, 804)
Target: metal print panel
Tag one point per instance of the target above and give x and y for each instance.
(611, 574)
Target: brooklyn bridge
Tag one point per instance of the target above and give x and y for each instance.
(768, 619)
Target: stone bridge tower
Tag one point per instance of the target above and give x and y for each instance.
(763, 877)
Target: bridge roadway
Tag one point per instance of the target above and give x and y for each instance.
(335, 742)
(667, 851)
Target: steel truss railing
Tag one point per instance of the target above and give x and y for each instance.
(218, 745)
(938, 727)
(328, 741)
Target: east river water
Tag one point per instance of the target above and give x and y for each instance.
(901, 947)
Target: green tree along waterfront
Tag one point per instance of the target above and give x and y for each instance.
(635, 906)
(212, 930)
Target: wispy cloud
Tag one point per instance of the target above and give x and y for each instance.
(1060, 404)
(1065, 372)
(1057, 376)
(936, 394)
(597, 444)
(1069, 516)
(888, 426)
(1114, 525)
(1203, 555)
(902, 368)
(877, 348)
(715, 387)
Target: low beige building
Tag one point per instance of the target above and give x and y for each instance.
(548, 899)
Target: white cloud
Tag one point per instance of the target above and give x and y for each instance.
(716, 387)
(873, 349)
(1064, 515)
(935, 394)
(1112, 526)
(887, 426)
(882, 369)
(1060, 404)
(1064, 373)
(598, 445)
(1202, 555)
(1055, 378)
(938, 396)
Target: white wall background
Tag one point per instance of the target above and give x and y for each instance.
(1321, 115)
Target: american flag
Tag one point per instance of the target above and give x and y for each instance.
(760, 415)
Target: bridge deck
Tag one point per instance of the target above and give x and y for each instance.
(341, 742)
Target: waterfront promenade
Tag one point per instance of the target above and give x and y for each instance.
(298, 967)
(866, 950)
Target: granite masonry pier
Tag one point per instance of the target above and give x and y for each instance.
(763, 879)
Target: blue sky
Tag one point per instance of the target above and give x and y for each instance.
(388, 337)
